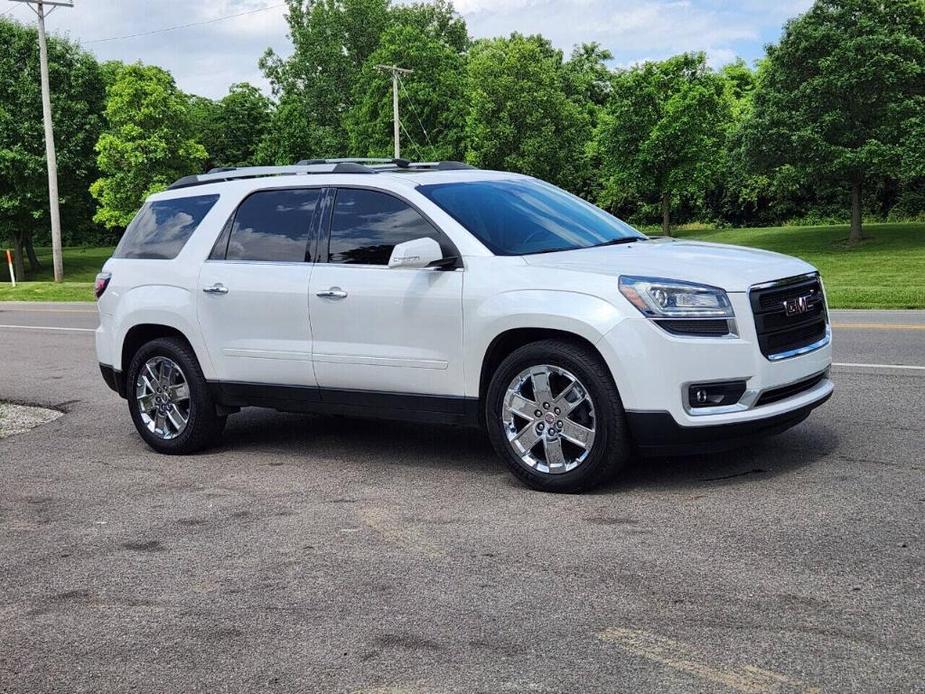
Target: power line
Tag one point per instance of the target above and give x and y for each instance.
(411, 140)
(433, 150)
(186, 26)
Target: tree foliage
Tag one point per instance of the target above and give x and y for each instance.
(662, 132)
(837, 105)
(433, 97)
(520, 117)
(331, 41)
(77, 103)
(841, 97)
(232, 128)
(147, 144)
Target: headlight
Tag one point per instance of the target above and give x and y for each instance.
(664, 298)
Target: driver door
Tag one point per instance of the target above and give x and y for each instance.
(378, 329)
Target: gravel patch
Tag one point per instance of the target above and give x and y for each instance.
(18, 419)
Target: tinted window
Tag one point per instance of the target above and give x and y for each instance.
(521, 216)
(366, 225)
(273, 225)
(160, 229)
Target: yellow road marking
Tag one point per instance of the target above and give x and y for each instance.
(879, 326)
(680, 656)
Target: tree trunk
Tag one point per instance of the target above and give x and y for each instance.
(856, 233)
(666, 214)
(18, 266)
(34, 263)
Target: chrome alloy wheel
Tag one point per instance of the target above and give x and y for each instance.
(549, 420)
(162, 395)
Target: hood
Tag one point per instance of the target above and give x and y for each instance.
(732, 268)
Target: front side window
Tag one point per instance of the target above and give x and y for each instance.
(366, 225)
(524, 215)
(273, 225)
(161, 228)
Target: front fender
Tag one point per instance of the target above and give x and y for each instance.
(578, 313)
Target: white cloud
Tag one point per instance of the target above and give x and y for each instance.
(206, 59)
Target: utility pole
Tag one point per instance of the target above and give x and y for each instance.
(52, 160)
(396, 71)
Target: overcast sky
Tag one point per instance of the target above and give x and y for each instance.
(205, 59)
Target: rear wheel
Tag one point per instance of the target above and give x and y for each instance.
(554, 415)
(169, 399)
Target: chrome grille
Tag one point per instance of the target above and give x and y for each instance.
(790, 316)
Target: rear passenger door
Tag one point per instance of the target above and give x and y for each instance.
(253, 290)
(379, 329)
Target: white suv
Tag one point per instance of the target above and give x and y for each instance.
(442, 293)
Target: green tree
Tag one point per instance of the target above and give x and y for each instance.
(586, 78)
(77, 101)
(147, 144)
(331, 41)
(433, 108)
(437, 19)
(232, 129)
(841, 97)
(588, 83)
(662, 132)
(520, 117)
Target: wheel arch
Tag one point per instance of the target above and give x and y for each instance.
(139, 335)
(512, 339)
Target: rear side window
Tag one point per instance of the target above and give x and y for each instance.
(161, 228)
(366, 225)
(273, 225)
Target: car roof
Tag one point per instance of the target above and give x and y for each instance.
(387, 177)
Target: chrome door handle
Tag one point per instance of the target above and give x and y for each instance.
(217, 288)
(333, 293)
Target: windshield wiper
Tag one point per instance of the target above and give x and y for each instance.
(617, 242)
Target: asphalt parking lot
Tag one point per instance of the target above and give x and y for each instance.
(329, 554)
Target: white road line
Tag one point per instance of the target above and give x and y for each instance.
(880, 366)
(50, 327)
(4, 309)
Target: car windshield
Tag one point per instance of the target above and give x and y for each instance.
(523, 216)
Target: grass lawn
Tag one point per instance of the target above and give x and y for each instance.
(80, 268)
(886, 270)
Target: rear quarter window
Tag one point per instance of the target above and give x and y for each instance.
(161, 228)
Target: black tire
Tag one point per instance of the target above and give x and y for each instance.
(611, 447)
(204, 426)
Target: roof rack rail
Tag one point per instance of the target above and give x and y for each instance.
(230, 174)
(347, 160)
(315, 166)
(383, 163)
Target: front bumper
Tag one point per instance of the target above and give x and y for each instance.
(656, 433)
(654, 369)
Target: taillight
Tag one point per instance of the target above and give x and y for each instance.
(102, 281)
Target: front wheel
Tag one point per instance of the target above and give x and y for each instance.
(169, 399)
(554, 415)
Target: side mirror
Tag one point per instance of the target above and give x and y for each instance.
(417, 253)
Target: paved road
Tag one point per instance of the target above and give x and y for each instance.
(326, 554)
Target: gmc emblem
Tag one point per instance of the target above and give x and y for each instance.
(794, 307)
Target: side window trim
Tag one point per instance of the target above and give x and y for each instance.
(325, 236)
(324, 226)
(224, 236)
